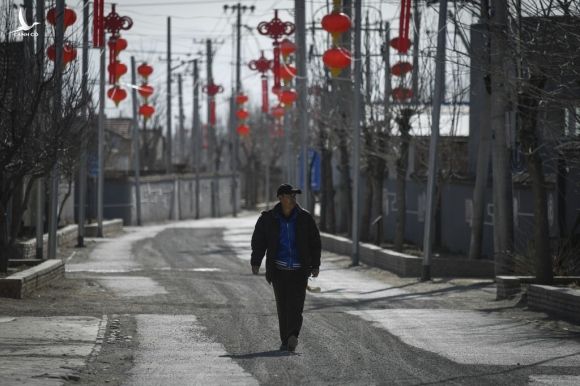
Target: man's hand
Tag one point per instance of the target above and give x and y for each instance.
(255, 269)
(314, 272)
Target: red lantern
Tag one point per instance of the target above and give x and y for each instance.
(276, 90)
(117, 94)
(287, 47)
(402, 93)
(146, 111)
(117, 44)
(145, 70)
(336, 23)
(241, 99)
(401, 68)
(145, 90)
(336, 59)
(69, 53)
(288, 97)
(287, 73)
(69, 17)
(243, 130)
(278, 112)
(242, 114)
(401, 44)
(117, 69)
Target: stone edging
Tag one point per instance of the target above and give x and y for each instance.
(23, 283)
(406, 265)
(562, 302)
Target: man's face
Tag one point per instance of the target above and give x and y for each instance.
(288, 200)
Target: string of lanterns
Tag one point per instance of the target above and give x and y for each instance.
(402, 44)
(69, 52)
(145, 90)
(242, 114)
(336, 58)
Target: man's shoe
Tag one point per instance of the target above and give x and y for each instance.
(292, 343)
(283, 347)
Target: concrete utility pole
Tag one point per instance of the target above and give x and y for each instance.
(101, 142)
(56, 119)
(40, 183)
(439, 93)
(356, 118)
(196, 135)
(84, 115)
(181, 153)
(211, 131)
(301, 89)
(168, 155)
(503, 221)
(235, 143)
(136, 142)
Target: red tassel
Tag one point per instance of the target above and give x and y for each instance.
(265, 107)
(212, 112)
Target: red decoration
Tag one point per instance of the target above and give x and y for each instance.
(117, 45)
(287, 73)
(242, 114)
(336, 59)
(98, 23)
(145, 90)
(404, 44)
(145, 70)
(402, 93)
(401, 68)
(241, 99)
(288, 97)
(264, 94)
(243, 130)
(287, 47)
(212, 117)
(261, 65)
(146, 111)
(117, 94)
(336, 23)
(69, 53)
(276, 90)
(70, 17)
(401, 44)
(117, 70)
(278, 111)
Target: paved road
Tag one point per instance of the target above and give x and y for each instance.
(180, 306)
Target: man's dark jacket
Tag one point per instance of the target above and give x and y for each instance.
(266, 234)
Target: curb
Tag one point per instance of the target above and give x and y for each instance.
(23, 283)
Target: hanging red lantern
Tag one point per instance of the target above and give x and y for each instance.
(401, 68)
(117, 69)
(242, 114)
(69, 53)
(402, 93)
(276, 90)
(116, 94)
(288, 97)
(278, 111)
(287, 47)
(145, 90)
(145, 70)
(146, 111)
(241, 99)
(336, 59)
(70, 17)
(117, 45)
(243, 130)
(401, 44)
(287, 73)
(336, 23)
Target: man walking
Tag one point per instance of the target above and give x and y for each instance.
(289, 237)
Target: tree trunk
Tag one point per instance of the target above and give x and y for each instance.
(365, 234)
(377, 186)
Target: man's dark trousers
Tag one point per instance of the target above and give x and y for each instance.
(290, 291)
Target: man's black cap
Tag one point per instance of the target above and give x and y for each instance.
(287, 189)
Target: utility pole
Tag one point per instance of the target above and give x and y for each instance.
(356, 118)
(211, 130)
(181, 153)
(502, 176)
(136, 141)
(40, 183)
(168, 155)
(301, 89)
(101, 142)
(56, 119)
(196, 135)
(235, 144)
(84, 114)
(436, 113)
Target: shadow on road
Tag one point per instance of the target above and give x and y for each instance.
(263, 354)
